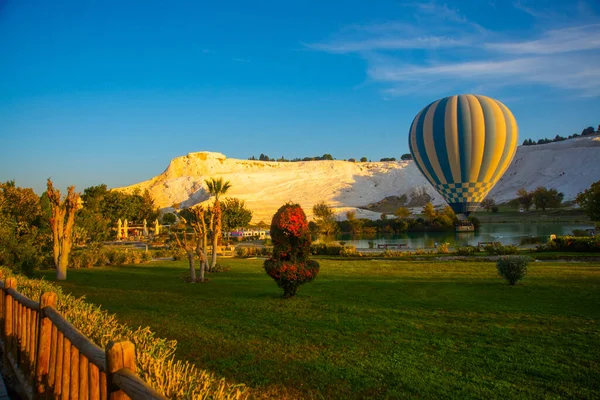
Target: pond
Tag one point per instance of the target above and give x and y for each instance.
(505, 233)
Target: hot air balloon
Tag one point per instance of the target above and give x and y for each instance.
(463, 145)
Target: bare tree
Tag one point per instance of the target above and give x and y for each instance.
(193, 244)
(180, 234)
(62, 221)
(198, 223)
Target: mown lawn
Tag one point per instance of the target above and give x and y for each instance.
(373, 329)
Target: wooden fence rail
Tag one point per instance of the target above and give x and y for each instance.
(50, 358)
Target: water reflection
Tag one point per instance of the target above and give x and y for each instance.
(503, 233)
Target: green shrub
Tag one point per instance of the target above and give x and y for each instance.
(420, 251)
(500, 250)
(350, 251)
(179, 254)
(98, 257)
(324, 249)
(443, 248)
(531, 240)
(253, 251)
(512, 268)
(466, 250)
(155, 359)
(146, 256)
(581, 233)
(387, 253)
(241, 251)
(572, 243)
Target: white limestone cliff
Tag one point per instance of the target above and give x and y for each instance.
(570, 166)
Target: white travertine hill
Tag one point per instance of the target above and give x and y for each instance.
(569, 166)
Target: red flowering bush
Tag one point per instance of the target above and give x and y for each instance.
(289, 265)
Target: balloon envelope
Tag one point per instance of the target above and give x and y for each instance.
(463, 145)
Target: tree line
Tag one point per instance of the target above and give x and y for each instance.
(40, 231)
(585, 132)
(264, 157)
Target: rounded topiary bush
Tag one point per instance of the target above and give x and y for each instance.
(513, 268)
(289, 264)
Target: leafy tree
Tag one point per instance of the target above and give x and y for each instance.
(429, 212)
(589, 200)
(22, 205)
(24, 234)
(402, 213)
(363, 159)
(93, 196)
(388, 159)
(525, 198)
(488, 203)
(235, 214)
(546, 198)
(102, 208)
(406, 157)
(356, 225)
(116, 205)
(588, 131)
(449, 212)
(168, 218)
(324, 218)
(327, 157)
(216, 187)
(62, 222)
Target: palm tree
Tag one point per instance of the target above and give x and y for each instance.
(216, 187)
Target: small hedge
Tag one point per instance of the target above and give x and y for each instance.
(500, 250)
(154, 356)
(572, 243)
(253, 251)
(99, 257)
(466, 250)
(512, 268)
(532, 240)
(325, 249)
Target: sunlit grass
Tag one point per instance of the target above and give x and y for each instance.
(367, 328)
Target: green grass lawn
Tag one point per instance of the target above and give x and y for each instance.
(373, 329)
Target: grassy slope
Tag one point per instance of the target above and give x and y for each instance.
(373, 328)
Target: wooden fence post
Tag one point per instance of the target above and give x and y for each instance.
(10, 283)
(2, 308)
(119, 355)
(47, 299)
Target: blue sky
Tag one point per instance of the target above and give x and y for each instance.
(109, 91)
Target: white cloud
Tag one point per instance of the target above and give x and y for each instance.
(462, 54)
(576, 38)
(389, 43)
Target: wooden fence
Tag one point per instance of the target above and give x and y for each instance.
(50, 358)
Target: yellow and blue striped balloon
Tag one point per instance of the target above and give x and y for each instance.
(463, 145)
